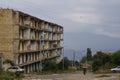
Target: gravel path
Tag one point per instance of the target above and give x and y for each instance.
(73, 76)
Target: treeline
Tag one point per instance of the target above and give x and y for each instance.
(102, 62)
(99, 62)
(63, 65)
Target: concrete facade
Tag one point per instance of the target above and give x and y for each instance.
(27, 40)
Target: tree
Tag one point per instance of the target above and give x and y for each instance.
(67, 63)
(100, 59)
(49, 65)
(89, 54)
(83, 60)
(116, 58)
(96, 64)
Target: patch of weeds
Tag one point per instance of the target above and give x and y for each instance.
(103, 75)
(19, 75)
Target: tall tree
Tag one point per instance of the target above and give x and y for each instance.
(116, 57)
(89, 54)
(100, 59)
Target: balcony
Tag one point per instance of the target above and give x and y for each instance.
(24, 46)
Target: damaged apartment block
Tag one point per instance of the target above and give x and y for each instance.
(27, 40)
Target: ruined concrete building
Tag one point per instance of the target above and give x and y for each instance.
(27, 40)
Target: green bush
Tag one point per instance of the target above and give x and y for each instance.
(10, 76)
(49, 65)
(67, 63)
(5, 76)
(116, 58)
(100, 59)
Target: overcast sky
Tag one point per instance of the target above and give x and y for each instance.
(87, 23)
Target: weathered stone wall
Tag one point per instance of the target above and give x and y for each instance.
(6, 34)
(16, 27)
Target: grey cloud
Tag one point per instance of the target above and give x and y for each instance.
(81, 41)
